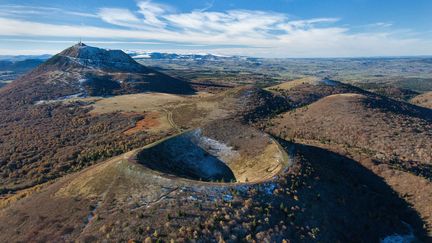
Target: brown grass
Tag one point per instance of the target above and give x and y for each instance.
(135, 103)
(386, 128)
(424, 100)
(293, 83)
(153, 122)
(9, 199)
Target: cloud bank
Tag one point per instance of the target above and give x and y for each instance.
(254, 33)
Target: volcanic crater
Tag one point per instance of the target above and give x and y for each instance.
(219, 152)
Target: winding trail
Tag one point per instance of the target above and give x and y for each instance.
(160, 198)
(90, 217)
(171, 121)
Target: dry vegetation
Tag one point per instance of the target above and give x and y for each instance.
(360, 163)
(391, 139)
(135, 102)
(306, 91)
(40, 143)
(388, 129)
(121, 201)
(424, 100)
(222, 150)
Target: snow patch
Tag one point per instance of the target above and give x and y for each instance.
(96, 58)
(215, 147)
(243, 188)
(142, 56)
(81, 94)
(74, 96)
(60, 99)
(192, 198)
(396, 238)
(329, 82)
(227, 197)
(269, 188)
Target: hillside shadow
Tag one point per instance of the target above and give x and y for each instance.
(103, 85)
(351, 203)
(183, 158)
(163, 83)
(398, 107)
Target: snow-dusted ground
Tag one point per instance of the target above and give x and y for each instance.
(196, 156)
(81, 94)
(400, 238)
(100, 63)
(98, 58)
(199, 156)
(329, 82)
(214, 147)
(64, 98)
(269, 188)
(140, 54)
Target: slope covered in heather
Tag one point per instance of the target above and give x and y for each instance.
(387, 128)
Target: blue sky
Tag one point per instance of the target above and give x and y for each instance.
(270, 28)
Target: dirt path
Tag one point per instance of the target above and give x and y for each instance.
(171, 121)
(157, 200)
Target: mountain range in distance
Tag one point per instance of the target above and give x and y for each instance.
(95, 146)
(136, 54)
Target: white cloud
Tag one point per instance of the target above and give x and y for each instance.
(381, 24)
(12, 10)
(10, 52)
(151, 11)
(304, 24)
(208, 6)
(235, 23)
(258, 33)
(120, 17)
